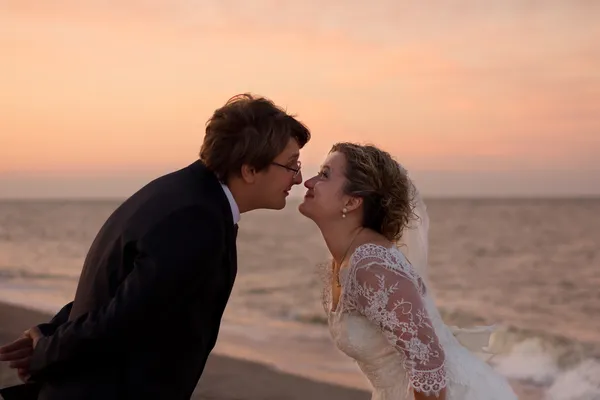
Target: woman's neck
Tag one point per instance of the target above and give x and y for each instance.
(339, 239)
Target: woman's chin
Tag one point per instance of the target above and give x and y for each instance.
(304, 209)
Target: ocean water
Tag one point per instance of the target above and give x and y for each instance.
(530, 266)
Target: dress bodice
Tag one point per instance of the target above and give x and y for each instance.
(386, 321)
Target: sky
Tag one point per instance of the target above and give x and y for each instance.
(473, 98)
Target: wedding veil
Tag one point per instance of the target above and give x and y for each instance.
(414, 244)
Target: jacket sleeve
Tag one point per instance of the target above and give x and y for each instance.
(180, 252)
(60, 318)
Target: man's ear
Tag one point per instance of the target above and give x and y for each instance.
(248, 173)
(353, 203)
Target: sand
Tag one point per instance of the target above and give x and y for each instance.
(224, 378)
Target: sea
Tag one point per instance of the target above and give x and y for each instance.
(529, 266)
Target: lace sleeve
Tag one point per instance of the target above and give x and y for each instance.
(392, 299)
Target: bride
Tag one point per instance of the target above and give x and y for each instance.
(380, 311)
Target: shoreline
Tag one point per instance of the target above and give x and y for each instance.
(224, 378)
(249, 368)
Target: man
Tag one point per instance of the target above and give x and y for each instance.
(159, 273)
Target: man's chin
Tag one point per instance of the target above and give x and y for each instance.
(279, 205)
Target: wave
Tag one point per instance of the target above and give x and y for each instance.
(561, 367)
(8, 273)
(565, 369)
(41, 291)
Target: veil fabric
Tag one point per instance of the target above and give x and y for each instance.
(414, 244)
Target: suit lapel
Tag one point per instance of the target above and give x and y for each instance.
(232, 253)
(215, 191)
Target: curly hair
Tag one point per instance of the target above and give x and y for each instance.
(388, 193)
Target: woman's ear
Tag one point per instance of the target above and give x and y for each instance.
(353, 203)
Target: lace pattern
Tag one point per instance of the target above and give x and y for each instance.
(326, 274)
(381, 285)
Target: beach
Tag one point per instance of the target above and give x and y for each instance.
(528, 266)
(225, 378)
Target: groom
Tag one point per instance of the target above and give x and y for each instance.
(159, 273)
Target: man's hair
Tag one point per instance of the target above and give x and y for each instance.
(248, 130)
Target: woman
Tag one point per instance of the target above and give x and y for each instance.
(379, 307)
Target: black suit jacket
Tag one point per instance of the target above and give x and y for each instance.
(150, 297)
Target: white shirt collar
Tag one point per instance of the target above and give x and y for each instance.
(235, 211)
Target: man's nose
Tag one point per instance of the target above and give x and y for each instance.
(298, 178)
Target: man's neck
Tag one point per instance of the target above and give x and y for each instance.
(239, 196)
(235, 211)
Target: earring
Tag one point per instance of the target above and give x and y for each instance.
(344, 211)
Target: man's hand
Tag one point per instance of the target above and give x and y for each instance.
(35, 335)
(18, 353)
(23, 374)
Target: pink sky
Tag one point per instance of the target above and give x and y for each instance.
(455, 92)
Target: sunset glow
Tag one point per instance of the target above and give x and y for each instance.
(104, 88)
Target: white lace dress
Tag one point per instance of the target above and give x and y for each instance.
(386, 321)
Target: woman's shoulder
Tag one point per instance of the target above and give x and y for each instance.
(374, 248)
(379, 256)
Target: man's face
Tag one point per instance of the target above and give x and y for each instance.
(274, 183)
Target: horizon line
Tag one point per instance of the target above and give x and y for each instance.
(299, 197)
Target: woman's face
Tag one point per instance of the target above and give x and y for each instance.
(325, 198)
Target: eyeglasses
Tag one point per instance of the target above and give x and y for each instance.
(296, 170)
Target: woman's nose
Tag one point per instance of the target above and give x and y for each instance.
(309, 183)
